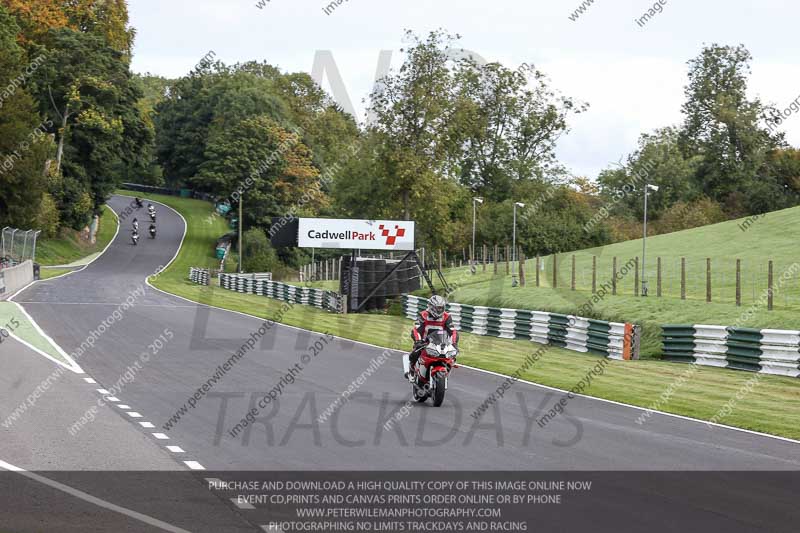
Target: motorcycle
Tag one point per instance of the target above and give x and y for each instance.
(152, 216)
(135, 238)
(435, 362)
(152, 232)
(139, 203)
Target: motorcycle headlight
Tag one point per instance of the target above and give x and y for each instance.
(432, 351)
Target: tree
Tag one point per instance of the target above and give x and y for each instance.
(23, 144)
(413, 110)
(266, 164)
(87, 91)
(505, 127)
(722, 123)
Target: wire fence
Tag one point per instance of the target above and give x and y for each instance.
(714, 280)
(17, 246)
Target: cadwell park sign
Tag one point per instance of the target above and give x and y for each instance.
(389, 235)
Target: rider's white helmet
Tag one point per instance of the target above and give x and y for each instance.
(436, 307)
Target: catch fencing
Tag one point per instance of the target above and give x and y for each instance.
(610, 339)
(17, 246)
(766, 351)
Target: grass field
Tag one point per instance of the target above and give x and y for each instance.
(70, 247)
(765, 239)
(772, 407)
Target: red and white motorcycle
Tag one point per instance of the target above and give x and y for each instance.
(436, 360)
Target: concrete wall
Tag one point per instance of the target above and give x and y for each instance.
(14, 278)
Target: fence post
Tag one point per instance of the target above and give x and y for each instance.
(485, 254)
(555, 271)
(538, 267)
(594, 274)
(496, 258)
(658, 277)
(573, 272)
(738, 283)
(614, 277)
(521, 267)
(683, 278)
(708, 279)
(769, 290)
(441, 265)
(508, 259)
(636, 277)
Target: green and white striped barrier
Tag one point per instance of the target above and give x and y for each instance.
(767, 351)
(610, 339)
(262, 286)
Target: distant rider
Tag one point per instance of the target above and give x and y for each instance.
(136, 224)
(433, 319)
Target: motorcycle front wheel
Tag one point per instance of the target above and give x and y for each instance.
(439, 387)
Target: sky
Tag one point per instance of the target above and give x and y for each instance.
(631, 75)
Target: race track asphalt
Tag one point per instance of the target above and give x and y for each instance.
(591, 435)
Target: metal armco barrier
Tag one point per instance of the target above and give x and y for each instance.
(767, 351)
(262, 285)
(200, 276)
(609, 339)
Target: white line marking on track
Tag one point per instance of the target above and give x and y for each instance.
(175, 449)
(89, 380)
(123, 406)
(112, 399)
(103, 391)
(71, 363)
(194, 465)
(134, 414)
(148, 425)
(93, 499)
(113, 304)
(160, 436)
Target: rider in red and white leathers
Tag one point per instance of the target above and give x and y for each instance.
(434, 318)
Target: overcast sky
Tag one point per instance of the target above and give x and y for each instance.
(632, 76)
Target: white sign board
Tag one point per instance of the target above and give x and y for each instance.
(356, 234)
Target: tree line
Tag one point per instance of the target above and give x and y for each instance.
(443, 131)
(71, 127)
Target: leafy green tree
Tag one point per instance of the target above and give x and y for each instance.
(723, 125)
(505, 127)
(86, 90)
(24, 148)
(413, 109)
(266, 164)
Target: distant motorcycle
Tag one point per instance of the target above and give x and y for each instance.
(152, 231)
(152, 216)
(139, 203)
(135, 238)
(430, 374)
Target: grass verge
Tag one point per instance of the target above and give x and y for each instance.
(773, 406)
(70, 247)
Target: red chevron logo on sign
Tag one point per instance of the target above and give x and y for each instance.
(392, 239)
